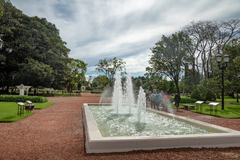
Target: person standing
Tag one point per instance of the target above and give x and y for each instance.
(152, 99)
(35, 91)
(158, 99)
(177, 100)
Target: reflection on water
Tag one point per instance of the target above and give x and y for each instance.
(125, 124)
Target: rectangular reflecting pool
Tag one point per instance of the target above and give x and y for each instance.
(161, 130)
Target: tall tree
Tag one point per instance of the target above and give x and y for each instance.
(77, 73)
(109, 67)
(210, 38)
(100, 81)
(33, 51)
(168, 57)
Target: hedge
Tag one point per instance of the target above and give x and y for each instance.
(188, 100)
(18, 98)
(185, 100)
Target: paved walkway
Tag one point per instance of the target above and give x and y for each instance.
(57, 132)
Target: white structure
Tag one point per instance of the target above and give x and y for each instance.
(83, 88)
(22, 88)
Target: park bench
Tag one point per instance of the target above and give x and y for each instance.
(29, 105)
(188, 107)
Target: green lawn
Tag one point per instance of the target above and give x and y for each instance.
(8, 111)
(230, 111)
(227, 99)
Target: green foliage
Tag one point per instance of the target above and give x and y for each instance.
(33, 50)
(109, 67)
(76, 74)
(17, 98)
(185, 100)
(100, 81)
(188, 100)
(138, 83)
(168, 55)
(195, 94)
(163, 85)
(211, 95)
(203, 93)
(172, 88)
(89, 88)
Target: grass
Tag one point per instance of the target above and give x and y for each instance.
(227, 99)
(230, 111)
(8, 111)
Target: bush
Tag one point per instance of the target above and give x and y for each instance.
(89, 88)
(196, 95)
(211, 96)
(96, 92)
(203, 94)
(188, 100)
(184, 100)
(18, 98)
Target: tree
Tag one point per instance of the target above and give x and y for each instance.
(100, 81)
(31, 42)
(209, 38)
(109, 67)
(168, 56)
(76, 75)
(172, 88)
(138, 83)
(232, 72)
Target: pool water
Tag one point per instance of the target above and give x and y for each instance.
(111, 124)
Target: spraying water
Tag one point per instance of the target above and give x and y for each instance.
(117, 93)
(129, 92)
(141, 104)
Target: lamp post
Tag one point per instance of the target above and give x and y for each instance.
(222, 66)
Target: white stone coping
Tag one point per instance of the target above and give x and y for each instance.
(95, 143)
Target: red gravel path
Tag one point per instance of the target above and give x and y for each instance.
(57, 132)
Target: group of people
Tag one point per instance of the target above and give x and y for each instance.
(163, 98)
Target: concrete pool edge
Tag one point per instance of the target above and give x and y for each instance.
(95, 143)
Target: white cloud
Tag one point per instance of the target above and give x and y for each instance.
(125, 29)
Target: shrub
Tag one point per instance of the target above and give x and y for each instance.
(211, 96)
(188, 100)
(89, 88)
(18, 98)
(196, 95)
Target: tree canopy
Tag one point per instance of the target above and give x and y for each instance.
(109, 67)
(33, 52)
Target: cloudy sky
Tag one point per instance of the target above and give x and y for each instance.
(98, 29)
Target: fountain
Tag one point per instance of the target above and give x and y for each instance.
(129, 92)
(104, 133)
(141, 105)
(117, 93)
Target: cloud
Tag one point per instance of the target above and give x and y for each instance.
(99, 29)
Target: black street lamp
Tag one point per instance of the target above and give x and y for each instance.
(222, 66)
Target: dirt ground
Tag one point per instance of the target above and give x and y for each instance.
(57, 133)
